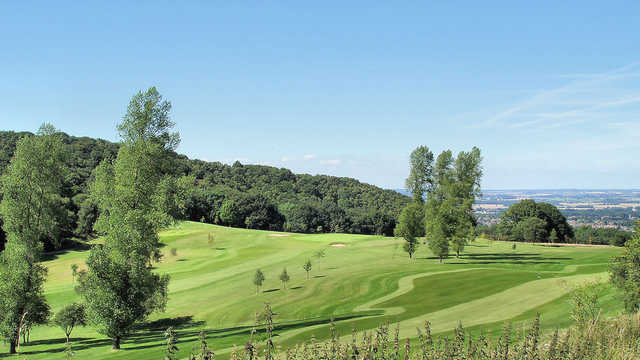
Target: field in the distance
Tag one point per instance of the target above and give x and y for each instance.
(367, 281)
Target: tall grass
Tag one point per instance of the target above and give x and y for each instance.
(614, 339)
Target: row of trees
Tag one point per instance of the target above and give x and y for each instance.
(259, 278)
(135, 198)
(450, 187)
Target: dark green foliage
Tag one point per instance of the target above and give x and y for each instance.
(527, 210)
(411, 226)
(606, 236)
(531, 229)
(69, 317)
(267, 197)
(625, 272)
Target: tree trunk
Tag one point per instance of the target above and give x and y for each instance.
(116, 343)
(440, 260)
(12, 347)
(458, 254)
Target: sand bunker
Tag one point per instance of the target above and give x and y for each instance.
(337, 245)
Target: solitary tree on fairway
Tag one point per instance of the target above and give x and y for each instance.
(307, 267)
(258, 279)
(31, 187)
(120, 289)
(69, 317)
(284, 277)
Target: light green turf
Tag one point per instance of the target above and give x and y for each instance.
(368, 281)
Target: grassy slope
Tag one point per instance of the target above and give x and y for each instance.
(368, 281)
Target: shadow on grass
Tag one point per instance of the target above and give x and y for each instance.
(151, 334)
(503, 258)
(270, 290)
(68, 246)
(318, 276)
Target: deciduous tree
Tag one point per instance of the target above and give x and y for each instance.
(411, 226)
(625, 272)
(119, 288)
(420, 178)
(284, 277)
(307, 267)
(31, 188)
(258, 279)
(70, 317)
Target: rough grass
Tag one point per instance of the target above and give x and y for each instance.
(368, 281)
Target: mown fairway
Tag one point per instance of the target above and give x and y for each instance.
(364, 281)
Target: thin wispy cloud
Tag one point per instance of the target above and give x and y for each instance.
(309, 156)
(587, 97)
(331, 162)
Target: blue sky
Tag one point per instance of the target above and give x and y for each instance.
(549, 91)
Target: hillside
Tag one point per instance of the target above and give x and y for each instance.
(264, 197)
(361, 282)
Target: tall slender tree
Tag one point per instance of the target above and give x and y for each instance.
(420, 180)
(31, 188)
(411, 226)
(119, 288)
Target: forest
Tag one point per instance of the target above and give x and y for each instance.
(239, 195)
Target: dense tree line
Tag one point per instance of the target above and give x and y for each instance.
(585, 234)
(250, 196)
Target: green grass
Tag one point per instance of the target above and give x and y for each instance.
(367, 281)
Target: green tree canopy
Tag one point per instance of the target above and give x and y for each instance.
(31, 191)
(120, 289)
(420, 180)
(625, 272)
(70, 317)
(526, 209)
(410, 226)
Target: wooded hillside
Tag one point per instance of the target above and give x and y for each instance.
(252, 196)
